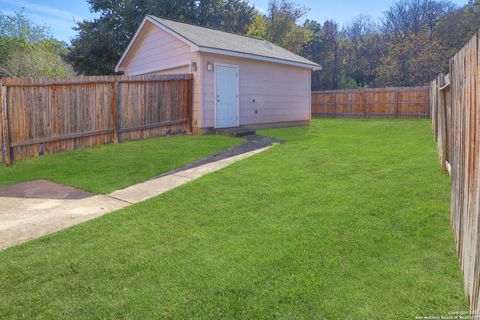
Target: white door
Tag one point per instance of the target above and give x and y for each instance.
(226, 91)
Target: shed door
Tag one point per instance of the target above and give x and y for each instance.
(226, 91)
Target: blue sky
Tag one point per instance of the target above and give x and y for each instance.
(61, 15)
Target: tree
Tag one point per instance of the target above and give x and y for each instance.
(457, 27)
(101, 42)
(409, 28)
(21, 28)
(409, 46)
(332, 41)
(363, 49)
(313, 50)
(407, 17)
(325, 48)
(230, 15)
(281, 25)
(414, 61)
(28, 50)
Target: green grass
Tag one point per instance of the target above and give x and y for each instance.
(347, 220)
(106, 168)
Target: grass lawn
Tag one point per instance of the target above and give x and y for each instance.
(106, 168)
(347, 220)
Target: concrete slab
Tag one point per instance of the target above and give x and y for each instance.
(197, 172)
(149, 189)
(25, 219)
(43, 189)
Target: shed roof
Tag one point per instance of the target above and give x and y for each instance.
(220, 42)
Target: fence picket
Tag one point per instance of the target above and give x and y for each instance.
(455, 112)
(410, 102)
(5, 127)
(47, 115)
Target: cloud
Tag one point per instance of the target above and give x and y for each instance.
(59, 14)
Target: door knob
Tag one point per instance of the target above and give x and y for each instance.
(218, 98)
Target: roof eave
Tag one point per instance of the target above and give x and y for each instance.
(194, 48)
(238, 54)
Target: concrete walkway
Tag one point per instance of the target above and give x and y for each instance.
(151, 188)
(23, 219)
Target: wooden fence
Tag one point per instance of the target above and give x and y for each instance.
(45, 115)
(455, 109)
(441, 111)
(409, 102)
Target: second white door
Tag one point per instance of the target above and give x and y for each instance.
(226, 90)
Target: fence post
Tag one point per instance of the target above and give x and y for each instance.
(5, 126)
(364, 100)
(431, 98)
(113, 111)
(335, 104)
(434, 107)
(396, 102)
(441, 124)
(190, 105)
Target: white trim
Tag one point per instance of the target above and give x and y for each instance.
(193, 46)
(256, 57)
(202, 91)
(165, 68)
(310, 95)
(215, 91)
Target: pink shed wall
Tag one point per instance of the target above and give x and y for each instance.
(178, 70)
(158, 50)
(161, 53)
(281, 92)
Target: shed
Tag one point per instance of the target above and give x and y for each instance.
(238, 80)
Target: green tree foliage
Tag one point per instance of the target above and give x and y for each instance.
(281, 25)
(101, 42)
(28, 50)
(409, 46)
(459, 26)
(324, 47)
(414, 54)
(362, 51)
(414, 61)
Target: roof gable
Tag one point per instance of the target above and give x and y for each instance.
(220, 42)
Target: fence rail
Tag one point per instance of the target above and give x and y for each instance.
(455, 108)
(46, 115)
(408, 102)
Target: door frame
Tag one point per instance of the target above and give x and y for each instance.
(215, 65)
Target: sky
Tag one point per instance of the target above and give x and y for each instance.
(60, 15)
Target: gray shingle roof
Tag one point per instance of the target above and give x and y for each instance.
(215, 39)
